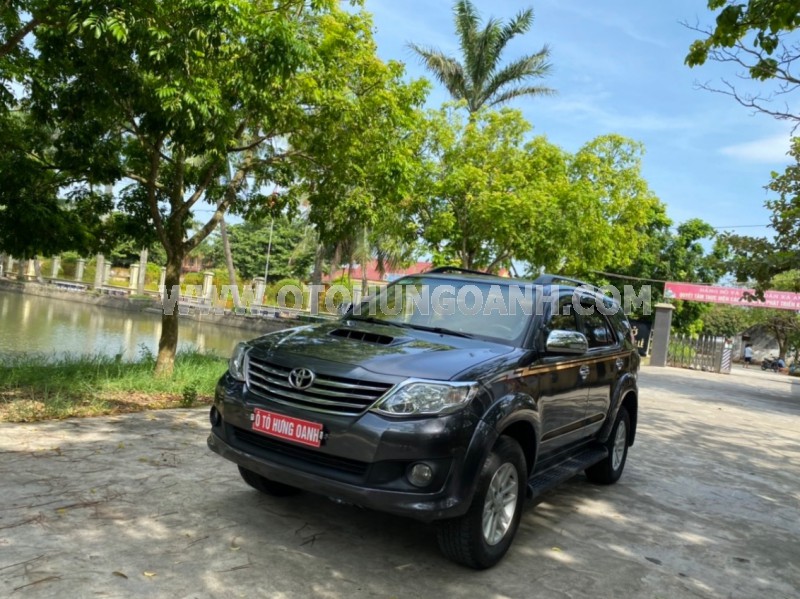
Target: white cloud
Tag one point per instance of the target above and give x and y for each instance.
(591, 108)
(767, 150)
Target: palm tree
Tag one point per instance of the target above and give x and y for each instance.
(481, 80)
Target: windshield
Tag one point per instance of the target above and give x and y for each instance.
(465, 308)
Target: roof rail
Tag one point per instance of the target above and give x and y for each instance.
(457, 270)
(547, 279)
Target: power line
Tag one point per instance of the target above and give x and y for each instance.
(742, 227)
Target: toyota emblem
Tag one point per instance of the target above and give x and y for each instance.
(301, 378)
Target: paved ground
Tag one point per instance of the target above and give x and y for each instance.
(137, 506)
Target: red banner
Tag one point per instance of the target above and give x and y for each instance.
(735, 296)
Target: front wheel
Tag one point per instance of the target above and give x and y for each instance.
(608, 471)
(481, 537)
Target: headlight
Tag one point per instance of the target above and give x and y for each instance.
(236, 363)
(416, 399)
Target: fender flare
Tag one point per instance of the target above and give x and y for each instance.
(510, 410)
(625, 386)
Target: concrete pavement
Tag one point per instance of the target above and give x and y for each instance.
(137, 506)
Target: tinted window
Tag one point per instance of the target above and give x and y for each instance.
(471, 307)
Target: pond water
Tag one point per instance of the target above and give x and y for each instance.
(31, 324)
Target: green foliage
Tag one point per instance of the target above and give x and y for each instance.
(360, 141)
(491, 198)
(757, 36)
(479, 78)
(189, 396)
(37, 215)
(768, 20)
(291, 255)
(187, 101)
(728, 321)
(677, 255)
(290, 300)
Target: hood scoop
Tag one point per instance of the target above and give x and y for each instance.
(364, 336)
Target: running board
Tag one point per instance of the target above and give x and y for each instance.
(563, 471)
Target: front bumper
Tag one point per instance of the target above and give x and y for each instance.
(364, 460)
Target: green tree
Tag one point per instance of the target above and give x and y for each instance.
(42, 209)
(492, 198)
(479, 78)
(291, 253)
(728, 321)
(166, 94)
(361, 140)
(758, 37)
(677, 254)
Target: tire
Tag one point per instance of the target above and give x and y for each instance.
(265, 485)
(608, 471)
(498, 502)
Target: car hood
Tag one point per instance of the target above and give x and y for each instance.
(383, 349)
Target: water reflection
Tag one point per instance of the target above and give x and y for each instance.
(44, 325)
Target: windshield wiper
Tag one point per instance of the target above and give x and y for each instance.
(418, 327)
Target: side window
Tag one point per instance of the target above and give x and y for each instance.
(598, 331)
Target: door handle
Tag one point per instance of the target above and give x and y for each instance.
(584, 371)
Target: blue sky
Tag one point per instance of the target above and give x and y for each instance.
(618, 67)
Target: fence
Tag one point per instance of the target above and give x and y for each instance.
(707, 353)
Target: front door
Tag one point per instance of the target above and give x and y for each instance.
(562, 385)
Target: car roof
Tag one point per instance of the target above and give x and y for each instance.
(543, 281)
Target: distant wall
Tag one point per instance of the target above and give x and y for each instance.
(149, 306)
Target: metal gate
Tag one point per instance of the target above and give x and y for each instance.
(703, 353)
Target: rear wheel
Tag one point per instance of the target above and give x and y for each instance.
(265, 485)
(481, 537)
(610, 469)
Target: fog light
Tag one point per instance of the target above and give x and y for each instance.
(420, 475)
(214, 416)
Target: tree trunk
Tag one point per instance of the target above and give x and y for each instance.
(168, 343)
(226, 247)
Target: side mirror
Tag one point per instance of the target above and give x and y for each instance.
(567, 342)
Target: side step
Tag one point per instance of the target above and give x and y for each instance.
(555, 475)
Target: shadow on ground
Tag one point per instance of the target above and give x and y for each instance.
(136, 505)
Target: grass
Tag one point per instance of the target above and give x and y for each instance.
(35, 387)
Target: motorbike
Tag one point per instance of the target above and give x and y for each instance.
(771, 363)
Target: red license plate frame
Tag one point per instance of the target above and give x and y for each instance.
(287, 428)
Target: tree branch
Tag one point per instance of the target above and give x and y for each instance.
(151, 183)
(13, 41)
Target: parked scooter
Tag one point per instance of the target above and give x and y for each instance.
(772, 363)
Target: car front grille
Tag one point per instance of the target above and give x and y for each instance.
(279, 451)
(328, 394)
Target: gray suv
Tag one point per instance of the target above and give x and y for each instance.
(449, 397)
